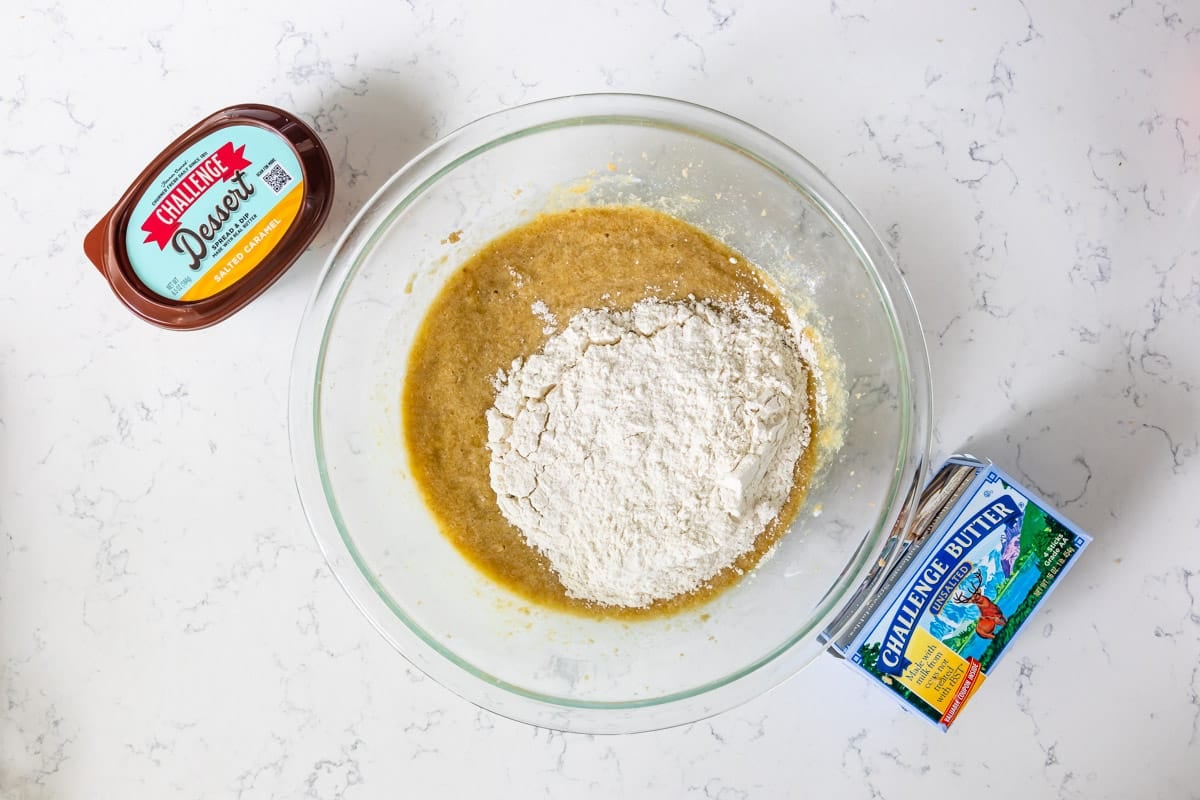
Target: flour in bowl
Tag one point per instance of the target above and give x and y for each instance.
(643, 451)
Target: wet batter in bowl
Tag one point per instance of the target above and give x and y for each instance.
(503, 304)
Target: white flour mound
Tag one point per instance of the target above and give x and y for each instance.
(643, 451)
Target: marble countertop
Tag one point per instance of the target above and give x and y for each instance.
(167, 625)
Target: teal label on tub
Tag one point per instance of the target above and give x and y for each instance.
(214, 213)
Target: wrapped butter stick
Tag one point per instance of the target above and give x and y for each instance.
(981, 556)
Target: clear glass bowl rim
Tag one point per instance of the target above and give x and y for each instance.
(357, 242)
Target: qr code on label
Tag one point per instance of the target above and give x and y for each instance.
(276, 178)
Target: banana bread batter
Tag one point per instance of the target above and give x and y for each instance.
(500, 306)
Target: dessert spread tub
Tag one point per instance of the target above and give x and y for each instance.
(215, 218)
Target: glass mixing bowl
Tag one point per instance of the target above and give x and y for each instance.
(536, 664)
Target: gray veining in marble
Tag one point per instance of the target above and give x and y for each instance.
(167, 626)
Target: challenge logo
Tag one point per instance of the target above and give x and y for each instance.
(925, 590)
(164, 225)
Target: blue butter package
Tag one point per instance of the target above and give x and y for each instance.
(943, 605)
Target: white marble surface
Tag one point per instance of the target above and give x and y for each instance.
(167, 626)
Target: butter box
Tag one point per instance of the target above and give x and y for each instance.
(982, 555)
